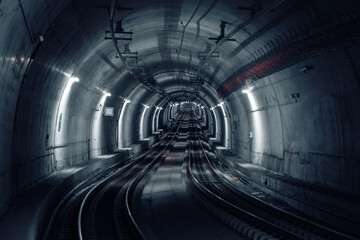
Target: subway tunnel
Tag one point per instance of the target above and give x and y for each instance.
(263, 95)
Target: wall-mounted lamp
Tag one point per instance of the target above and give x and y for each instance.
(74, 79)
(245, 91)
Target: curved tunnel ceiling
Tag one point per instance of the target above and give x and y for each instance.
(174, 37)
(281, 78)
(171, 42)
(167, 36)
(170, 36)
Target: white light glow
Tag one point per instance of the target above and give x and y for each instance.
(74, 79)
(64, 100)
(245, 91)
(96, 129)
(17, 59)
(62, 106)
(142, 122)
(153, 120)
(258, 131)
(65, 73)
(157, 119)
(104, 92)
(216, 127)
(121, 118)
(170, 111)
(61, 119)
(204, 117)
(226, 125)
(71, 77)
(252, 101)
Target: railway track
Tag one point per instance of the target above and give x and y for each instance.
(251, 217)
(108, 206)
(103, 207)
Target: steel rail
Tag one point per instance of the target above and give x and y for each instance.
(314, 228)
(129, 165)
(138, 160)
(133, 184)
(268, 227)
(80, 213)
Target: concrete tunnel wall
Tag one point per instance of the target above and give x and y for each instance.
(313, 138)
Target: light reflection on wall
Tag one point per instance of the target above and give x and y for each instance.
(216, 124)
(96, 127)
(157, 119)
(174, 110)
(17, 59)
(257, 128)
(61, 118)
(170, 112)
(226, 125)
(62, 110)
(142, 123)
(204, 118)
(121, 119)
(153, 120)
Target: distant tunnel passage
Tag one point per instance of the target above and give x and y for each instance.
(274, 86)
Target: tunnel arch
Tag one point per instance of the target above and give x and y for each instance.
(288, 87)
